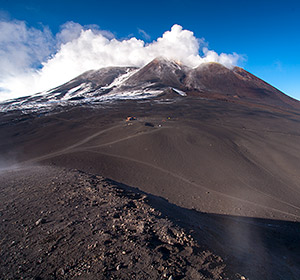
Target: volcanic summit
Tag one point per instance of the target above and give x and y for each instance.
(160, 76)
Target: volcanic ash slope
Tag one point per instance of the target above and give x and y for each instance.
(66, 224)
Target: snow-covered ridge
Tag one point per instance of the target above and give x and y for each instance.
(77, 92)
(106, 85)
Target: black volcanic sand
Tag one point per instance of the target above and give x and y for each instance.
(238, 164)
(62, 224)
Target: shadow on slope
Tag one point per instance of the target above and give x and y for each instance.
(258, 248)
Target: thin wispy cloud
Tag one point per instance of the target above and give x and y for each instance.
(144, 34)
(34, 60)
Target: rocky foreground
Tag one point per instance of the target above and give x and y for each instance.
(65, 224)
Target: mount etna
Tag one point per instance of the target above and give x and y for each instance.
(159, 172)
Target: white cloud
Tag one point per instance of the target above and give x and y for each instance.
(22, 48)
(68, 32)
(76, 49)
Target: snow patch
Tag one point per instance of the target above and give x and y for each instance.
(180, 92)
(121, 79)
(79, 91)
(132, 94)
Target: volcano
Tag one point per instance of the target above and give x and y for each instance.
(158, 78)
(159, 172)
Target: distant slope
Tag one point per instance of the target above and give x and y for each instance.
(214, 78)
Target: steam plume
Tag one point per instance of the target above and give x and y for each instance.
(33, 60)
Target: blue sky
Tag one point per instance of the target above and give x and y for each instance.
(265, 33)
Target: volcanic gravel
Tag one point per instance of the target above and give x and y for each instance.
(66, 224)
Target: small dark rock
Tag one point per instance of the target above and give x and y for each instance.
(149, 124)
